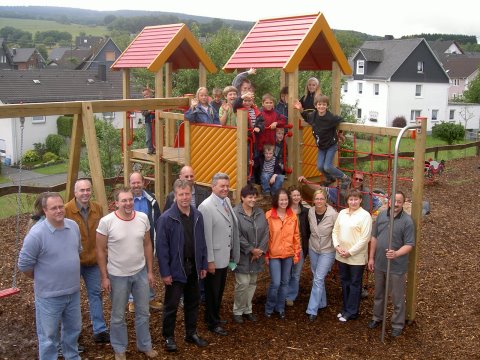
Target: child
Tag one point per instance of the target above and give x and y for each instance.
(217, 100)
(324, 129)
(241, 82)
(268, 172)
(279, 148)
(200, 110)
(312, 89)
(268, 121)
(149, 117)
(282, 105)
(226, 114)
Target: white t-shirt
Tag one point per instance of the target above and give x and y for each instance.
(124, 242)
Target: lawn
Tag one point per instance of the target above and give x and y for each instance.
(3, 179)
(9, 204)
(53, 169)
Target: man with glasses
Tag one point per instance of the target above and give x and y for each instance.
(198, 192)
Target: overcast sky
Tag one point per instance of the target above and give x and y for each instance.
(374, 17)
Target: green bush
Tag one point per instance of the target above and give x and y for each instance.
(30, 157)
(448, 132)
(64, 125)
(40, 148)
(64, 152)
(54, 142)
(49, 156)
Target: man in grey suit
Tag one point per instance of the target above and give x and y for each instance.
(223, 246)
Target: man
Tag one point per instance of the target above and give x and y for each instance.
(182, 259)
(403, 241)
(125, 236)
(145, 202)
(199, 194)
(223, 246)
(149, 121)
(87, 213)
(50, 256)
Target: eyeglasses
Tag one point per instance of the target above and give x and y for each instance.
(358, 179)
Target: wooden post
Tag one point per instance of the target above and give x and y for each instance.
(159, 136)
(283, 79)
(74, 157)
(159, 83)
(202, 76)
(94, 155)
(293, 143)
(417, 198)
(336, 88)
(170, 128)
(187, 142)
(242, 142)
(127, 166)
(168, 79)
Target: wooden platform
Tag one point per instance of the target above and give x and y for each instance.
(170, 155)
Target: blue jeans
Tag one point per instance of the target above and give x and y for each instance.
(294, 283)
(351, 281)
(325, 162)
(122, 286)
(151, 292)
(320, 264)
(148, 135)
(91, 277)
(52, 312)
(265, 181)
(277, 291)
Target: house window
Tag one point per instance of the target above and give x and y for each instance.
(414, 114)
(345, 87)
(360, 88)
(373, 116)
(38, 120)
(360, 67)
(3, 59)
(359, 113)
(109, 55)
(376, 89)
(452, 115)
(420, 67)
(456, 82)
(418, 90)
(108, 115)
(434, 115)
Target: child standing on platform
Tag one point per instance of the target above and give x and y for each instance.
(267, 122)
(226, 114)
(312, 89)
(217, 100)
(200, 110)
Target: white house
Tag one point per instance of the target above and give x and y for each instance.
(397, 78)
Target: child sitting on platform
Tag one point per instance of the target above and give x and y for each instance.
(268, 171)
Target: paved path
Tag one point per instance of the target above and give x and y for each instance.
(30, 178)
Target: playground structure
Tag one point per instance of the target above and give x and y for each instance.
(295, 44)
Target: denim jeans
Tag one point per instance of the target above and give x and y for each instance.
(294, 283)
(151, 292)
(148, 135)
(351, 281)
(122, 286)
(273, 188)
(320, 264)
(277, 291)
(52, 312)
(325, 162)
(91, 277)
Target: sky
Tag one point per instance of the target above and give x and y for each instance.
(374, 17)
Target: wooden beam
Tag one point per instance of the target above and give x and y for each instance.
(242, 160)
(159, 143)
(127, 165)
(367, 129)
(293, 142)
(336, 85)
(168, 79)
(94, 155)
(202, 76)
(38, 109)
(74, 157)
(417, 198)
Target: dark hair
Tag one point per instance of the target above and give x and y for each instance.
(277, 195)
(353, 193)
(119, 190)
(284, 90)
(38, 206)
(292, 188)
(247, 190)
(399, 192)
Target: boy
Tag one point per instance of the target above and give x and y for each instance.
(217, 100)
(266, 124)
(226, 114)
(268, 171)
(279, 146)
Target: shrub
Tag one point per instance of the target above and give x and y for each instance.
(64, 152)
(40, 148)
(64, 125)
(54, 142)
(30, 157)
(448, 132)
(399, 122)
(49, 156)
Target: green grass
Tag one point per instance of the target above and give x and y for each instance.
(3, 179)
(9, 204)
(53, 169)
(45, 25)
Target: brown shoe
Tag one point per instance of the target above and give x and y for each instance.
(155, 305)
(131, 307)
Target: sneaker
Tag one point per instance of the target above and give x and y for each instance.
(155, 305)
(131, 307)
(339, 315)
(151, 354)
(238, 319)
(120, 356)
(289, 303)
(180, 303)
(396, 332)
(374, 324)
(102, 338)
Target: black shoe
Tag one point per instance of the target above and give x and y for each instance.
(268, 315)
(197, 340)
(396, 332)
(250, 317)
(219, 331)
(170, 344)
(374, 324)
(281, 315)
(312, 317)
(238, 319)
(102, 338)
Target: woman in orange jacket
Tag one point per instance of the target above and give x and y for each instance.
(283, 251)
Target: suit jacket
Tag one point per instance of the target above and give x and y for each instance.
(201, 193)
(221, 232)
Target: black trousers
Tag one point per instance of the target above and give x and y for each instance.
(191, 301)
(214, 286)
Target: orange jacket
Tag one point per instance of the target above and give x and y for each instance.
(284, 240)
(88, 231)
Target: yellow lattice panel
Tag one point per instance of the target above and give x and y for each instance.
(309, 154)
(213, 149)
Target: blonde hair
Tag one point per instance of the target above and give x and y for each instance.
(202, 88)
(318, 90)
(320, 191)
(229, 89)
(268, 96)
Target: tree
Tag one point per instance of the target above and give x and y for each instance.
(448, 132)
(109, 19)
(472, 94)
(42, 49)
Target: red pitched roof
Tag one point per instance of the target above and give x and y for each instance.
(156, 45)
(306, 42)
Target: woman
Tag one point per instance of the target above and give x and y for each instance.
(351, 235)
(38, 215)
(253, 230)
(302, 217)
(321, 219)
(283, 251)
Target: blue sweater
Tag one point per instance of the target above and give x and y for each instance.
(54, 256)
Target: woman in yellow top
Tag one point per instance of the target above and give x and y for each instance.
(283, 251)
(351, 235)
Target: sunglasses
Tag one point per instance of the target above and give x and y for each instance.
(358, 179)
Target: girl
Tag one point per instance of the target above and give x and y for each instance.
(312, 89)
(200, 110)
